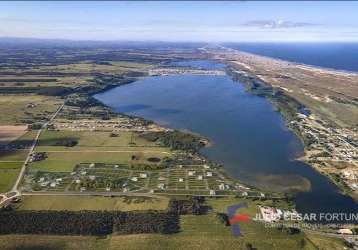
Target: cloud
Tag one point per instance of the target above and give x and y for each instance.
(277, 24)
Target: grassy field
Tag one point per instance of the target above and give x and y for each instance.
(94, 147)
(72, 74)
(76, 203)
(47, 242)
(7, 179)
(8, 174)
(87, 67)
(66, 161)
(13, 108)
(93, 139)
(10, 133)
(18, 154)
(12, 160)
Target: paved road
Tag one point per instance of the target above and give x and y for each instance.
(107, 151)
(24, 165)
(87, 193)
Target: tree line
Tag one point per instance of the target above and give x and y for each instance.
(88, 222)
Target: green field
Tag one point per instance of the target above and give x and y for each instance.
(66, 161)
(93, 139)
(94, 147)
(8, 177)
(8, 174)
(76, 203)
(14, 110)
(12, 160)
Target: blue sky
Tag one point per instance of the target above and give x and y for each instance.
(182, 21)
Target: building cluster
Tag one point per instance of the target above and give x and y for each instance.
(330, 147)
(38, 156)
(49, 182)
(120, 124)
(336, 144)
(273, 214)
(177, 71)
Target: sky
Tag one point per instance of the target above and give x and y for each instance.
(242, 21)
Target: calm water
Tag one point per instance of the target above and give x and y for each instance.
(248, 136)
(342, 56)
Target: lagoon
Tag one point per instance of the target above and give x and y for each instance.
(249, 137)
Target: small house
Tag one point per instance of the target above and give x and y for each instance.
(345, 231)
(191, 173)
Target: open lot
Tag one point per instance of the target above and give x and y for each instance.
(77, 203)
(102, 147)
(65, 161)
(7, 179)
(64, 74)
(8, 174)
(10, 133)
(18, 109)
(96, 139)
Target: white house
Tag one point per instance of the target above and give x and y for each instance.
(134, 179)
(212, 192)
(200, 177)
(181, 179)
(191, 173)
(345, 231)
(143, 175)
(209, 174)
(222, 186)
